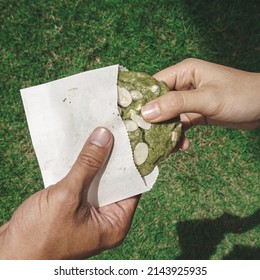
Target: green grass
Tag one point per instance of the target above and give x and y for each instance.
(205, 204)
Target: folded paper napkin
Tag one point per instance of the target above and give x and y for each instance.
(61, 115)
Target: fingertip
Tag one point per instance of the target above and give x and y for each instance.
(158, 76)
(151, 111)
(185, 144)
(162, 108)
(101, 137)
(168, 75)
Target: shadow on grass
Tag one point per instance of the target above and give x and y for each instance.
(241, 252)
(230, 34)
(230, 30)
(199, 239)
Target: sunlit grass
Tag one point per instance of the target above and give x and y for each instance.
(205, 202)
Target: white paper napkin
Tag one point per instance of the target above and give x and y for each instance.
(61, 115)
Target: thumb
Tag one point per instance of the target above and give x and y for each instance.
(92, 157)
(174, 103)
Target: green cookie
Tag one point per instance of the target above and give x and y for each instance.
(150, 143)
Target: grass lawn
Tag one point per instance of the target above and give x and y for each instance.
(205, 204)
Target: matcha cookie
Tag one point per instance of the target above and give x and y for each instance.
(151, 143)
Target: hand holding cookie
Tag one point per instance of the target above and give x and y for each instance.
(151, 143)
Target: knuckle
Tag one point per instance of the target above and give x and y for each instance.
(176, 101)
(190, 60)
(90, 160)
(66, 197)
(64, 200)
(180, 100)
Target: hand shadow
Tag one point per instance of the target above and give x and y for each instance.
(228, 30)
(199, 238)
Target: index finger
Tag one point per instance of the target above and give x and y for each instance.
(180, 76)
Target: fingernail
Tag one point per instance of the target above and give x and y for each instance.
(100, 137)
(151, 111)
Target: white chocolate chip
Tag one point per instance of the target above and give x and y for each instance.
(131, 126)
(124, 97)
(141, 122)
(136, 95)
(179, 126)
(154, 89)
(140, 153)
(174, 136)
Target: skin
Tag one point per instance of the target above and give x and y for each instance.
(59, 223)
(204, 93)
